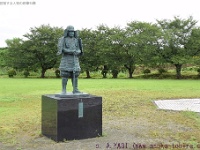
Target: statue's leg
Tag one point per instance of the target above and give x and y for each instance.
(64, 85)
(76, 82)
(65, 75)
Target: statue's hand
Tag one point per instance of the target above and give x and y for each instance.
(77, 52)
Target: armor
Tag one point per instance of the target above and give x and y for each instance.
(71, 48)
(70, 55)
(70, 28)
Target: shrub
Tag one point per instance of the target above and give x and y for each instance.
(198, 70)
(26, 73)
(57, 72)
(11, 73)
(115, 73)
(161, 70)
(146, 71)
(104, 73)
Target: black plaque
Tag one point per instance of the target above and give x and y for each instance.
(71, 118)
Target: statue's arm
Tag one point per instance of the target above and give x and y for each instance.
(80, 46)
(60, 45)
(77, 51)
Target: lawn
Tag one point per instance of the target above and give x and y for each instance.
(127, 108)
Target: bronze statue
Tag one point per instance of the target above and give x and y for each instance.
(70, 46)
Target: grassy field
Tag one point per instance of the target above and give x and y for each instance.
(127, 106)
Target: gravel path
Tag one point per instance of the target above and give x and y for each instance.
(117, 134)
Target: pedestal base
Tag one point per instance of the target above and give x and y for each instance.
(70, 94)
(69, 118)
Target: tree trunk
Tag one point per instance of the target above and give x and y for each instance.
(104, 74)
(178, 70)
(43, 72)
(130, 70)
(130, 73)
(88, 74)
(115, 73)
(104, 71)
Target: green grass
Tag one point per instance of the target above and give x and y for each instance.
(129, 100)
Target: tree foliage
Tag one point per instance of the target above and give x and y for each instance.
(3, 57)
(193, 45)
(42, 45)
(141, 42)
(113, 49)
(177, 33)
(91, 59)
(16, 57)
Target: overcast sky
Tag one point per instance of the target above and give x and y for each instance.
(17, 19)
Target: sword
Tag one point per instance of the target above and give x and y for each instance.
(74, 70)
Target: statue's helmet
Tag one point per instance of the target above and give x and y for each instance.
(70, 28)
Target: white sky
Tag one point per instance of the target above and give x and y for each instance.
(16, 20)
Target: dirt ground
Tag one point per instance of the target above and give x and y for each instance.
(117, 134)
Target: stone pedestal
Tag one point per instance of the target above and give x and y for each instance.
(70, 118)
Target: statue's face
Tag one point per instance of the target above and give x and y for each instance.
(71, 33)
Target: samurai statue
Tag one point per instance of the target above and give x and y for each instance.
(70, 46)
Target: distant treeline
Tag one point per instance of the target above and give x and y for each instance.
(175, 42)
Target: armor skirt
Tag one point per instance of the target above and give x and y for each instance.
(69, 63)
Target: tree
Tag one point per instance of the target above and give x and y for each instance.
(176, 35)
(91, 59)
(115, 51)
(3, 57)
(42, 45)
(104, 45)
(140, 44)
(16, 57)
(96, 45)
(193, 45)
(38, 51)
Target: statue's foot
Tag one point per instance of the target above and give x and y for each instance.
(76, 92)
(63, 92)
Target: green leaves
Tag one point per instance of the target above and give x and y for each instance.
(39, 51)
(173, 41)
(177, 34)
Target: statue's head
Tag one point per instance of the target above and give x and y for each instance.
(69, 31)
(70, 28)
